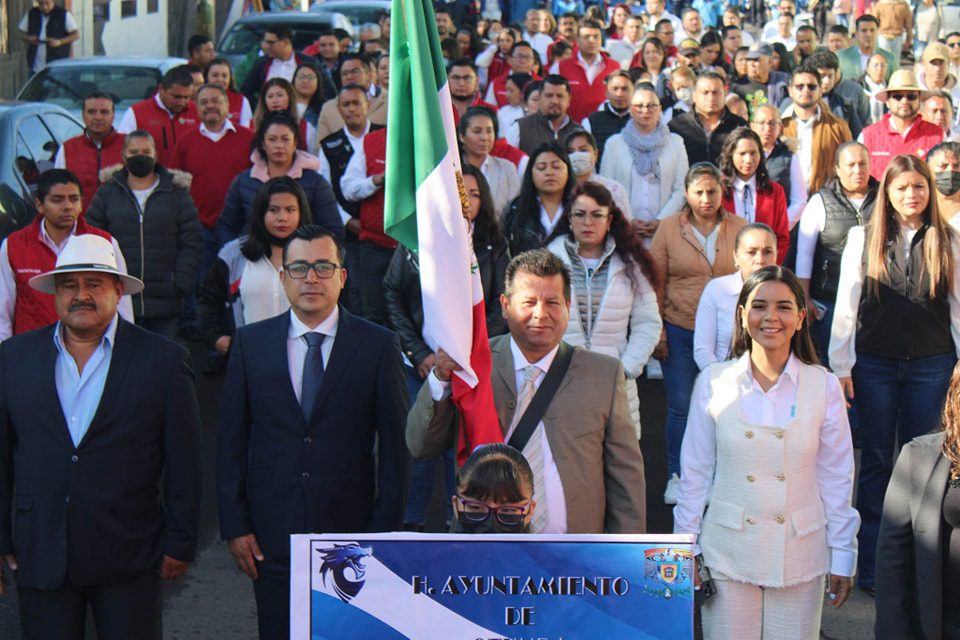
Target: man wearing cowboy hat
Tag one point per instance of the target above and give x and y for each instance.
(901, 130)
(86, 434)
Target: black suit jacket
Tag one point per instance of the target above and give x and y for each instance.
(257, 75)
(93, 512)
(278, 473)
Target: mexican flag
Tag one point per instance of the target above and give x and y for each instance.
(424, 212)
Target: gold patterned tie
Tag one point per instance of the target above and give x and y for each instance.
(533, 450)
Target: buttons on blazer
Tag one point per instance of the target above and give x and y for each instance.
(750, 478)
(779, 434)
(749, 434)
(751, 521)
(780, 519)
(305, 475)
(511, 404)
(781, 477)
(74, 458)
(307, 439)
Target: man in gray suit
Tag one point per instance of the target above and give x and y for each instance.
(588, 469)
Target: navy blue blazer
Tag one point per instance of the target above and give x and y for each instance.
(93, 512)
(278, 473)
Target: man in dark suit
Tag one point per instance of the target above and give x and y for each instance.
(587, 465)
(280, 60)
(87, 431)
(306, 396)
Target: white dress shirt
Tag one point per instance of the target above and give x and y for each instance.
(843, 334)
(805, 148)
(513, 133)
(591, 69)
(776, 408)
(552, 486)
(811, 226)
(716, 313)
(546, 222)
(356, 142)
(744, 208)
(262, 294)
(355, 184)
(282, 69)
(644, 196)
(8, 282)
(217, 136)
(708, 242)
(797, 198)
(541, 44)
(297, 346)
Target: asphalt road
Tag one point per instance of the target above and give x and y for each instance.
(215, 601)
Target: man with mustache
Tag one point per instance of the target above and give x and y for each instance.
(101, 424)
(34, 249)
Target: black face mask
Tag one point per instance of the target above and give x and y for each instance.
(490, 525)
(140, 166)
(948, 182)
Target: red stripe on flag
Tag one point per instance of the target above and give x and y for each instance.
(479, 423)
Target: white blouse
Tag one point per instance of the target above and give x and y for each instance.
(713, 330)
(261, 292)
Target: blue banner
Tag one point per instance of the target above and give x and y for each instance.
(491, 587)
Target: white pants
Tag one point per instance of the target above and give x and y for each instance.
(741, 611)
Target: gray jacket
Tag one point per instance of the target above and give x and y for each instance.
(161, 243)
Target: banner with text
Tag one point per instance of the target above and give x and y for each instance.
(491, 587)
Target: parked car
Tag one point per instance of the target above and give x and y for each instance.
(66, 83)
(359, 12)
(30, 136)
(245, 34)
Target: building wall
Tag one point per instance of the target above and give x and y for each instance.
(121, 27)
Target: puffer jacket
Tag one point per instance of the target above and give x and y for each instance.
(401, 289)
(627, 325)
(234, 220)
(683, 266)
(161, 244)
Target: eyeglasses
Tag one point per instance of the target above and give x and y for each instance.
(522, 56)
(507, 515)
(653, 106)
(596, 216)
(467, 78)
(910, 97)
(953, 45)
(299, 270)
(808, 87)
(763, 124)
(269, 43)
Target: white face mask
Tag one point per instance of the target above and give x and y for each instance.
(582, 162)
(685, 95)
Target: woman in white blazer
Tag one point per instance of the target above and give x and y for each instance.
(614, 307)
(649, 161)
(768, 444)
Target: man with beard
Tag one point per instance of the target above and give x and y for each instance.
(901, 130)
(762, 85)
(609, 119)
(818, 132)
(550, 123)
(465, 86)
(706, 127)
(581, 443)
(844, 96)
(213, 153)
(97, 147)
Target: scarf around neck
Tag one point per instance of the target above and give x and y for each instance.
(645, 148)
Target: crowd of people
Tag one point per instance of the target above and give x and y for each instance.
(758, 204)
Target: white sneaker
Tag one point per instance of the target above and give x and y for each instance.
(672, 494)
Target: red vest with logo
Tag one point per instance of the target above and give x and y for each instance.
(585, 96)
(371, 209)
(29, 256)
(85, 159)
(885, 143)
(164, 129)
(235, 106)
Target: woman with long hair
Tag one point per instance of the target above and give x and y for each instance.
(755, 248)
(309, 92)
(768, 445)
(546, 187)
(748, 190)
(275, 154)
(614, 307)
(246, 275)
(618, 18)
(478, 134)
(220, 73)
(404, 303)
(689, 248)
(279, 96)
(711, 52)
(896, 329)
(652, 58)
(918, 550)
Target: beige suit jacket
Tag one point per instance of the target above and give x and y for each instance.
(589, 429)
(331, 121)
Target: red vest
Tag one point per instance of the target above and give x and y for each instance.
(885, 143)
(500, 89)
(164, 129)
(29, 256)
(371, 209)
(498, 67)
(235, 105)
(503, 149)
(585, 96)
(85, 159)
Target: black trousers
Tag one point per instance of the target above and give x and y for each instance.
(272, 592)
(374, 262)
(120, 612)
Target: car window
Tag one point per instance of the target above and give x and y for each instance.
(67, 86)
(358, 15)
(63, 127)
(36, 150)
(240, 40)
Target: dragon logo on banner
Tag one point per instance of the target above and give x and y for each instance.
(336, 561)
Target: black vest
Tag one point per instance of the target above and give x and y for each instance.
(840, 217)
(56, 28)
(903, 321)
(605, 123)
(337, 150)
(535, 130)
(778, 166)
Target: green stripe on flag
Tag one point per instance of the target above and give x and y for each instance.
(415, 139)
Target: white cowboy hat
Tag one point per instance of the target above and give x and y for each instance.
(902, 80)
(86, 252)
